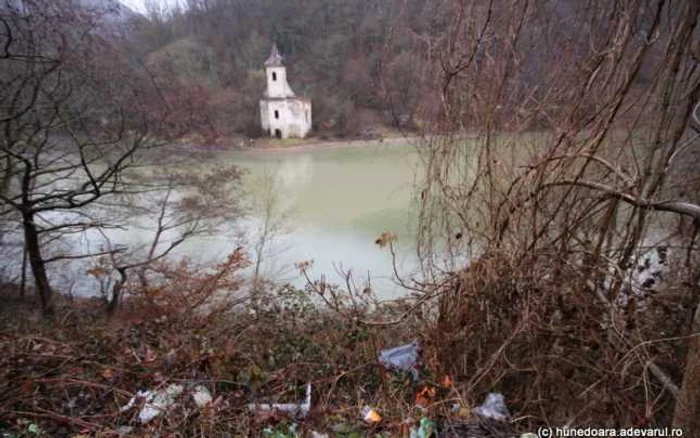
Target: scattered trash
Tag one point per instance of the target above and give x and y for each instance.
(201, 395)
(425, 429)
(131, 403)
(300, 409)
(404, 358)
(494, 407)
(370, 415)
(156, 402)
(315, 434)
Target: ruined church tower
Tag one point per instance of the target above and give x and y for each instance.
(282, 114)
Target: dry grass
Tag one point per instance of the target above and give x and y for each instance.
(537, 336)
(73, 376)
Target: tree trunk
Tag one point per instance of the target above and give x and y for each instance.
(7, 176)
(23, 281)
(687, 414)
(113, 302)
(41, 281)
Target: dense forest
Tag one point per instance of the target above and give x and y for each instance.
(364, 64)
(340, 54)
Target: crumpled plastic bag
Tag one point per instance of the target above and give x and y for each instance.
(494, 407)
(201, 396)
(404, 358)
(156, 402)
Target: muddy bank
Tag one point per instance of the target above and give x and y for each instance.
(332, 144)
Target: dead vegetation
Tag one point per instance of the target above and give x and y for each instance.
(570, 197)
(74, 376)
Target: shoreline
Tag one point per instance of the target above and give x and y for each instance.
(331, 144)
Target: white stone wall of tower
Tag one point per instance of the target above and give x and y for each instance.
(264, 116)
(292, 117)
(277, 85)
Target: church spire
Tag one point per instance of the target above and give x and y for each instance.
(275, 59)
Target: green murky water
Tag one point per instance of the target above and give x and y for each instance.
(337, 201)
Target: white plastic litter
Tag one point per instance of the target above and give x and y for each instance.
(159, 402)
(201, 396)
(156, 402)
(404, 358)
(494, 407)
(140, 394)
(300, 409)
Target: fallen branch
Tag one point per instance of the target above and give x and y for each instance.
(680, 207)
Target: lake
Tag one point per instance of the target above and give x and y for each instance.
(336, 202)
(332, 203)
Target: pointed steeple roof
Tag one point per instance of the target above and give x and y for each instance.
(275, 59)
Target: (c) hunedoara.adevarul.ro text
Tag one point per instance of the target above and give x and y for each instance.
(587, 432)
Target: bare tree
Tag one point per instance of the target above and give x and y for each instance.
(185, 205)
(275, 220)
(75, 120)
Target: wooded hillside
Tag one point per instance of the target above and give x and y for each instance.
(364, 63)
